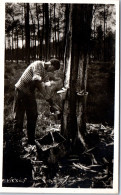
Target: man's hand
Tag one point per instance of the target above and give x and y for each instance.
(62, 93)
(63, 90)
(49, 83)
(37, 78)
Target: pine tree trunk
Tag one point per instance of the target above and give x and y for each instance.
(68, 45)
(76, 61)
(43, 32)
(50, 26)
(34, 41)
(104, 33)
(55, 31)
(27, 31)
(17, 46)
(47, 55)
(38, 26)
(58, 38)
(12, 47)
(34, 38)
(22, 44)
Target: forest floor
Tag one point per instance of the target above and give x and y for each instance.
(91, 168)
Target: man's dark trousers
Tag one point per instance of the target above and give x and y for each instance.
(24, 103)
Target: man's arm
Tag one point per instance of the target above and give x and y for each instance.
(44, 90)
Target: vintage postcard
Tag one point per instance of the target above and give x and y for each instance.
(59, 107)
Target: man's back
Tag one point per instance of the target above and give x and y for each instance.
(35, 71)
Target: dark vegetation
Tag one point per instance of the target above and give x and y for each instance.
(100, 102)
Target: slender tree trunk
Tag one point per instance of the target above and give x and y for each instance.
(38, 29)
(94, 27)
(104, 32)
(5, 49)
(17, 46)
(47, 55)
(27, 32)
(33, 37)
(31, 46)
(23, 31)
(34, 41)
(53, 46)
(9, 47)
(12, 47)
(43, 32)
(50, 26)
(22, 44)
(58, 38)
(55, 31)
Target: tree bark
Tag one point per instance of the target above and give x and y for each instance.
(104, 33)
(58, 35)
(22, 44)
(12, 47)
(68, 45)
(34, 40)
(27, 31)
(38, 29)
(50, 26)
(47, 55)
(76, 60)
(23, 35)
(33, 37)
(55, 31)
(17, 46)
(43, 32)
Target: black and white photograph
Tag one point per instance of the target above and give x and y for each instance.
(60, 116)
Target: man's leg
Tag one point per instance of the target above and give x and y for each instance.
(19, 110)
(14, 164)
(31, 111)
